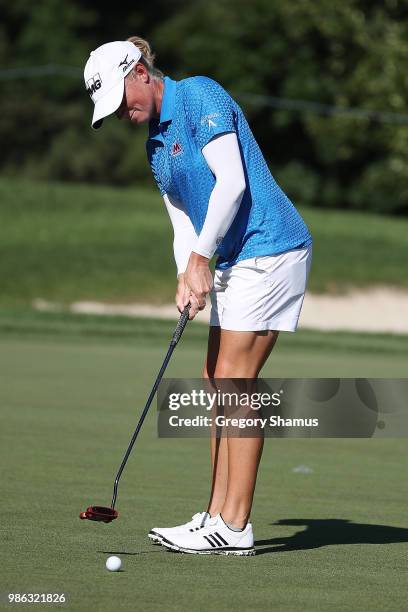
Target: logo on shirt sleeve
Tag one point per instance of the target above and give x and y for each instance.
(209, 120)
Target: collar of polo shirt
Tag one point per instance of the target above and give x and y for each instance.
(166, 112)
(168, 100)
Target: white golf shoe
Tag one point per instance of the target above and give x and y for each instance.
(214, 538)
(158, 533)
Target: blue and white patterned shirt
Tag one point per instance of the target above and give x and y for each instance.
(193, 111)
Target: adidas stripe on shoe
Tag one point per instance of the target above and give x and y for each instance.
(214, 538)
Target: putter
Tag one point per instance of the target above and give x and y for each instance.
(104, 513)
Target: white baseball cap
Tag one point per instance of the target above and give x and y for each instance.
(104, 76)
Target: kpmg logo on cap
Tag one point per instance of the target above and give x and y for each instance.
(93, 84)
(125, 63)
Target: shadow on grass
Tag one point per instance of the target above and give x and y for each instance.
(326, 532)
(122, 552)
(317, 533)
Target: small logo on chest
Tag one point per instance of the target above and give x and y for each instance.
(176, 149)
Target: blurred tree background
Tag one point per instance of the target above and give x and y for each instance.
(324, 86)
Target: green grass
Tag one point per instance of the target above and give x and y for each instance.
(344, 354)
(70, 391)
(69, 242)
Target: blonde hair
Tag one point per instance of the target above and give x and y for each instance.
(148, 57)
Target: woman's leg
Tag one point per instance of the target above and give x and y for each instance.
(235, 461)
(218, 446)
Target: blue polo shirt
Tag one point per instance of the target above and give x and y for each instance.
(193, 111)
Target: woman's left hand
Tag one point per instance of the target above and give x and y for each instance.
(199, 279)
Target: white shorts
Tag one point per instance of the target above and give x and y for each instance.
(261, 293)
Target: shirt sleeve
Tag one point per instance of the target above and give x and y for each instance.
(158, 183)
(184, 234)
(223, 156)
(211, 110)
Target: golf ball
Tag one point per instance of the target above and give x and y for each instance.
(113, 564)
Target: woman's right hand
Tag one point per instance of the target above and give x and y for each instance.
(184, 296)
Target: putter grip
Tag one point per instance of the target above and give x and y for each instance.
(181, 324)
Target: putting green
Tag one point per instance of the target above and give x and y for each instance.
(333, 539)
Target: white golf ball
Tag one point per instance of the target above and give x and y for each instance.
(113, 564)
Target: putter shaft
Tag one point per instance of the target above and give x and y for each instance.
(176, 337)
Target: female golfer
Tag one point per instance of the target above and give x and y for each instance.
(221, 198)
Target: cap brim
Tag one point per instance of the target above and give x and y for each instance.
(108, 104)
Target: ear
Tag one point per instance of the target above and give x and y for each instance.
(140, 73)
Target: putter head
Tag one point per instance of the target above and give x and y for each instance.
(102, 514)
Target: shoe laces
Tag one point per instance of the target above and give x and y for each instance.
(194, 519)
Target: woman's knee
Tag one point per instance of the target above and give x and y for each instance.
(230, 369)
(221, 369)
